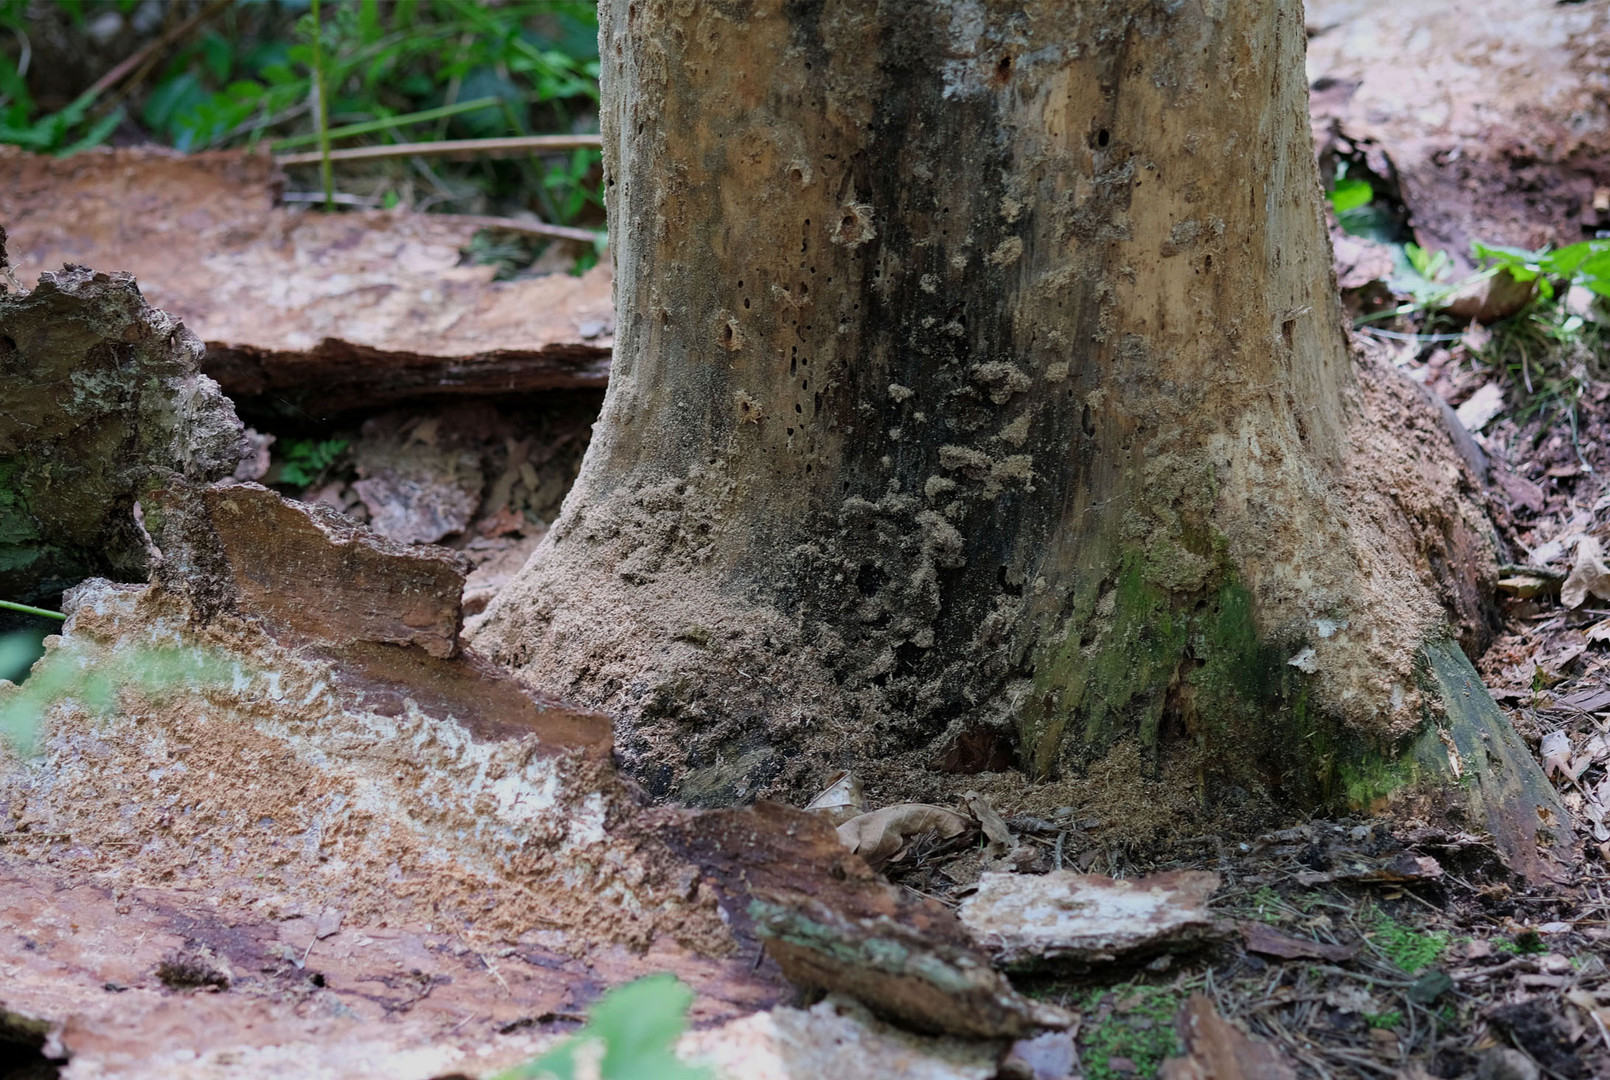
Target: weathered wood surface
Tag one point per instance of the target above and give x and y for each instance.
(302, 310)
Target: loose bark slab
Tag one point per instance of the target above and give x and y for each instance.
(1034, 920)
(835, 1038)
(309, 571)
(1494, 128)
(832, 924)
(302, 310)
(104, 402)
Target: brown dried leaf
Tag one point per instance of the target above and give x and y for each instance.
(1588, 575)
(883, 834)
(841, 800)
(1268, 941)
(1217, 1050)
(1001, 839)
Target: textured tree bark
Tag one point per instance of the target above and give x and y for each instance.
(979, 368)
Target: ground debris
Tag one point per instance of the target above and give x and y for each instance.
(1064, 917)
(830, 923)
(887, 834)
(1215, 1049)
(1267, 941)
(194, 967)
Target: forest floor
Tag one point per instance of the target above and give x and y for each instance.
(1357, 947)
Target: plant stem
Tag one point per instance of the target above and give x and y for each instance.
(508, 147)
(323, 118)
(26, 610)
(369, 127)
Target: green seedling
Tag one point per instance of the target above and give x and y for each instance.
(633, 1031)
(304, 460)
(91, 677)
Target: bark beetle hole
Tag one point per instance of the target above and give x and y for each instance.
(1005, 582)
(1103, 137)
(1288, 331)
(1207, 262)
(1003, 70)
(1086, 420)
(8, 345)
(870, 579)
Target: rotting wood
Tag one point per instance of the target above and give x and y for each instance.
(104, 403)
(831, 923)
(305, 313)
(1064, 918)
(981, 380)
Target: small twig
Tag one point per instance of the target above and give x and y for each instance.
(340, 198)
(530, 228)
(496, 974)
(154, 47)
(513, 146)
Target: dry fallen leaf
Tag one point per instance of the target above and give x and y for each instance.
(1001, 840)
(841, 800)
(1588, 575)
(884, 834)
(1215, 1049)
(1555, 752)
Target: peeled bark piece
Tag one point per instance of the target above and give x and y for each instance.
(981, 364)
(833, 1040)
(1215, 1049)
(317, 312)
(1034, 920)
(104, 402)
(306, 569)
(832, 924)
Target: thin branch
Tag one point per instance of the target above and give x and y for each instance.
(529, 228)
(514, 146)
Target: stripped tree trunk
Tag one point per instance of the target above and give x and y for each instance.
(980, 377)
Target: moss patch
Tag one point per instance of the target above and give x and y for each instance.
(1139, 661)
(1132, 1028)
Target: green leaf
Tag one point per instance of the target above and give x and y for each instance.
(1350, 194)
(639, 1024)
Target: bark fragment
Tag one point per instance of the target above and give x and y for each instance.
(1215, 1049)
(104, 403)
(832, 924)
(307, 570)
(1036, 920)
